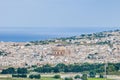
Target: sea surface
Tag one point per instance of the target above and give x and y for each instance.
(50, 34)
(24, 37)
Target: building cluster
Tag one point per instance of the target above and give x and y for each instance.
(18, 54)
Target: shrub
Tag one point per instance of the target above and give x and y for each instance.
(19, 75)
(68, 78)
(84, 77)
(77, 77)
(23, 76)
(14, 75)
(92, 74)
(8, 71)
(31, 76)
(57, 76)
(22, 71)
(101, 76)
(34, 76)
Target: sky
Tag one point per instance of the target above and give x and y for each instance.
(55, 16)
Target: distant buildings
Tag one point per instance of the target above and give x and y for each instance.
(70, 51)
(60, 50)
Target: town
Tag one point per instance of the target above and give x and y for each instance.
(99, 47)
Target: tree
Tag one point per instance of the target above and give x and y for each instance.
(101, 76)
(22, 71)
(111, 68)
(31, 76)
(60, 67)
(34, 76)
(68, 78)
(77, 77)
(19, 75)
(92, 74)
(57, 76)
(10, 70)
(47, 68)
(84, 77)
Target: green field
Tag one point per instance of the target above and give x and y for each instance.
(28, 79)
(45, 79)
(97, 79)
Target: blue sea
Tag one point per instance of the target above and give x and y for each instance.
(49, 34)
(24, 37)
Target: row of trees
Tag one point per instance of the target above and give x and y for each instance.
(98, 68)
(83, 77)
(31, 76)
(12, 70)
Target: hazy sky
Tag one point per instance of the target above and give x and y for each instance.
(38, 15)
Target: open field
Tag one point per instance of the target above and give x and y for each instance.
(49, 77)
(98, 79)
(45, 79)
(28, 79)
